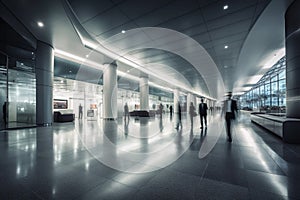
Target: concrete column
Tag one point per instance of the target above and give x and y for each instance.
(189, 99)
(110, 91)
(176, 100)
(44, 84)
(144, 93)
(292, 40)
(194, 100)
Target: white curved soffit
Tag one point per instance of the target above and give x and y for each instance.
(263, 43)
(187, 48)
(169, 73)
(171, 41)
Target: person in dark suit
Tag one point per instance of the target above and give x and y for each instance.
(171, 110)
(179, 116)
(80, 111)
(203, 113)
(126, 112)
(230, 110)
(161, 107)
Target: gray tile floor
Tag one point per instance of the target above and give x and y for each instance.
(147, 159)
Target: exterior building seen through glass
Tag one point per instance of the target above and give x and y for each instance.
(269, 94)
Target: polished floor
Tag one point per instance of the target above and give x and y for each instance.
(148, 159)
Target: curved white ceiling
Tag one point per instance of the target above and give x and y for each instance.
(171, 41)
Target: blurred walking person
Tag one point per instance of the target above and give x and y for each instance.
(203, 113)
(230, 110)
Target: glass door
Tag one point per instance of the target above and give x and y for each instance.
(21, 98)
(3, 91)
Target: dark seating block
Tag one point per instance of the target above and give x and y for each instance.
(141, 113)
(58, 117)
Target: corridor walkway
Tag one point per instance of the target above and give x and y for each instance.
(147, 159)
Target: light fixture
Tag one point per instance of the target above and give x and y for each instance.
(225, 7)
(40, 24)
(87, 56)
(226, 47)
(123, 31)
(225, 66)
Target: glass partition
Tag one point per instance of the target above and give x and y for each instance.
(3, 90)
(21, 98)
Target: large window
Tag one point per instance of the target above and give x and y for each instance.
(282, 92)
(269, 94)
(274, 93)
(262, 96)
(255, 98)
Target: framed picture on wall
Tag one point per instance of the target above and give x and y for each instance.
(60, 104)
(93, 106)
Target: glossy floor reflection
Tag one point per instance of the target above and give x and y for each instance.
(147, 159)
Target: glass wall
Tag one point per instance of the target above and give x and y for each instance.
(269, 94)
(18, 93)
(21, 98)
(282, 89)
(3, 90)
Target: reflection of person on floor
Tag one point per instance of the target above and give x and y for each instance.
(230, 109)
(203, 132)
(126, 112)
(161, 126)
(126, 124)
(80, 112)
(179, 117)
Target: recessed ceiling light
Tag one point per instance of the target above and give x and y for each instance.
(225, 66)
(40, 24)
(226, 47)
(225, 7)
(86, 56)
(22, 63)
(123, 31)
(70, 71)
(128, 70)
